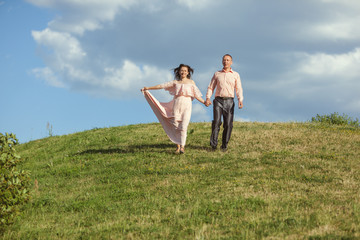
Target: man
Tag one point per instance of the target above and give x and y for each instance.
(226, 82)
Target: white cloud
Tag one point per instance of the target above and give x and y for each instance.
(83, 15)
(352, 106)
(343, 66)
(240, 119)
(350, 3)
(196, 5)
(130, 75)
(331, 76)
(114, 47)
(199, 112)
(67, 66)
(65, 58)
(64, 46)
(48, 75)
(344, 28)
(113, 83)
(337, 20)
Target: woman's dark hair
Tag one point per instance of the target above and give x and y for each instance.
(177, 71)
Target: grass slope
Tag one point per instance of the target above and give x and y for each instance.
(278, 180)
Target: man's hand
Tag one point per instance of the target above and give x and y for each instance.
(240, 104)
(207, 102)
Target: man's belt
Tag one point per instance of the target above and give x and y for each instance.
(224, 98)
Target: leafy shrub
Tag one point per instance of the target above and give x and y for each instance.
(13, 182)
(336, 119)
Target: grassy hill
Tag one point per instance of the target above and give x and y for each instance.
(277, 180)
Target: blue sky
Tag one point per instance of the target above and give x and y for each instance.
(79, 64)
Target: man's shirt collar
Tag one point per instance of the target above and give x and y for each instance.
(222, 70)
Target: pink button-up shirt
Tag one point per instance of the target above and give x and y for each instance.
(225, 83)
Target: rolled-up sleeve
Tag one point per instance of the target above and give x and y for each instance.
(238, 88)
(211, 87)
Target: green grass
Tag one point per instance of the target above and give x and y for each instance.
(277, 181)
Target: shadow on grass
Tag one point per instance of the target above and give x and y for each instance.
(141, 148)
(198, 147)
(129, 149)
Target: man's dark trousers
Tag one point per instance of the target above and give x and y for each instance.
(222, 107)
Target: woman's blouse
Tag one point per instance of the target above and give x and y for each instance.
(182, 89)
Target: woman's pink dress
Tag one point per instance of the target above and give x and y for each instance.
(175, 115)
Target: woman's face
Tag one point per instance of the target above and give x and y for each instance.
(184, 72)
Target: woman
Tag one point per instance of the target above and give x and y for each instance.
(175, 116)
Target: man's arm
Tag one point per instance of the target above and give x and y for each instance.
(210, 91)
(239, 91)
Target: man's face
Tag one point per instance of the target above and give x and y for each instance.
(227, 61)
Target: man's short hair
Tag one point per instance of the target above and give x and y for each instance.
(227, 55)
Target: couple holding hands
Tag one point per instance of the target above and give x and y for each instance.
(175, 115)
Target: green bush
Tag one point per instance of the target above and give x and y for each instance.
(14, 183)
(336, 119)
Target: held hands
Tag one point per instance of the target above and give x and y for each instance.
(143, 89)
(240, 105)
(207, 102)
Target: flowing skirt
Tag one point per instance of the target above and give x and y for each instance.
(174, 116)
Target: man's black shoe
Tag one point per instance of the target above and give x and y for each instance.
(224, 149)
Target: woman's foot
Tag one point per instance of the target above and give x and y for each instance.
(177, 149)
(182, 149)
